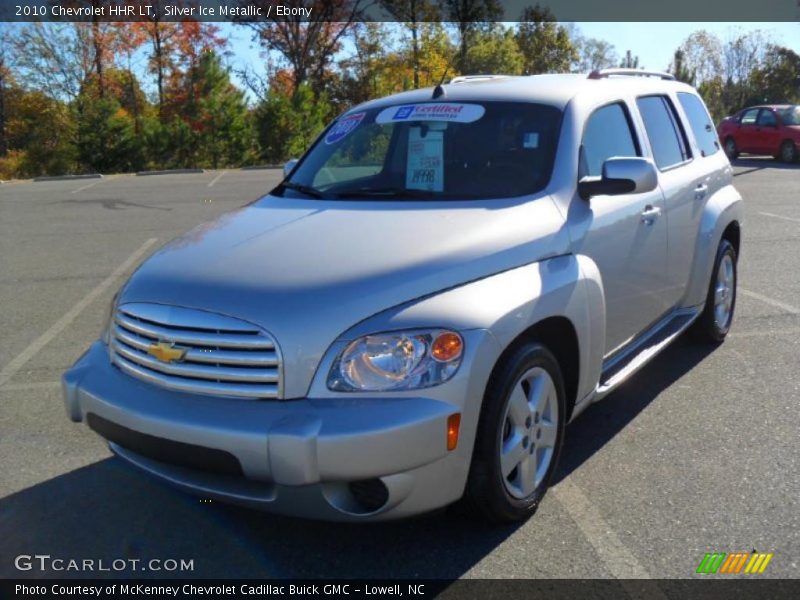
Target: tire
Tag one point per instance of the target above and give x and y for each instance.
(730, 148)
(788, 152)
(715, 322)
(536, 421)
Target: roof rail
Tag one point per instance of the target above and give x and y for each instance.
(605, 73)
(470, 78)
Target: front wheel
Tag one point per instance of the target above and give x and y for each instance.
(715, 322)
(519, 438)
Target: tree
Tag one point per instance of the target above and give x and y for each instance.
(5, 76)
(216, 112)
(595, 54)
(778, 80)
(413, 13)
(702, 55)
(629, 61)
(366, 73)
(53, 58)
(471, 17)
(307, 47)
(545, 45)
(287, 124)
(494, 51)
(679, 69)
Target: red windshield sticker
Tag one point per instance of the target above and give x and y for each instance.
(343, 127)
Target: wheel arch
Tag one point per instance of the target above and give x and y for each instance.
(559, 336)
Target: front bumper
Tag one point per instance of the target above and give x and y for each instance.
(296, 457)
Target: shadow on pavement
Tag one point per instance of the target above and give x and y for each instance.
(753, 164)
(602, 421)
(107, 511)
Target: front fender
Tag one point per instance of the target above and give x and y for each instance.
(722, 209)
(507, 304)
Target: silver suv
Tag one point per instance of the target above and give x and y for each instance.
(443, 281)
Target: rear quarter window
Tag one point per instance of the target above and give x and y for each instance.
(700, 122)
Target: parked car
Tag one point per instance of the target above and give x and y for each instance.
(443, 282)
(772, 129)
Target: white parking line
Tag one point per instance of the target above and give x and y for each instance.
(776, 303)
(766, 214)
(86, 187)
(606, 543)
(19, 361)
(216, 179)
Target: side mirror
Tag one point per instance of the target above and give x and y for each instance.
(287, 168)
(620, 176)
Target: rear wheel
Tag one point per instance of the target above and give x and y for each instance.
(788, 151)
(519, 438)
(730, 148)
(715, 322)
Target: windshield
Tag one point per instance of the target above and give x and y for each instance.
(790, 115)
(433, 150)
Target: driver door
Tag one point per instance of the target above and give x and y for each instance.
(625, 235)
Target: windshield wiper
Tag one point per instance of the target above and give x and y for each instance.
(303, 189)
(388, 192)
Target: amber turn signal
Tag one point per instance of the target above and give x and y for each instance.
(453, 423)
(447, 346)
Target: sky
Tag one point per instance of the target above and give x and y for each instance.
(653, 43)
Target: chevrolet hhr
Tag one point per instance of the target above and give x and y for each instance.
(440, 284)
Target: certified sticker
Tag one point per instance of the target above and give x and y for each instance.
(343, 127)
(431, 111)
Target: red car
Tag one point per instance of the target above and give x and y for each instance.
(770, 129)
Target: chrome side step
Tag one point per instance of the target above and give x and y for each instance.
(625, 363)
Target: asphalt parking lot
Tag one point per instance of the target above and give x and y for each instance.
(698, 453)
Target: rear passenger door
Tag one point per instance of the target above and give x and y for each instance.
(626, 236)
(682, 192)
(768, 134)
(707, 173)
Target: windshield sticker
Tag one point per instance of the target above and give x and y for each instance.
(343, 127)
(425, 164)
(530, 140)
(431, 111)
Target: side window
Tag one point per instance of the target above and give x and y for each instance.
(607, 134)
(766, 118)
(749, 117)
(666, 138)
(700, 122)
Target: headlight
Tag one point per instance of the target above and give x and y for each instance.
(106, 333)
(400, 360)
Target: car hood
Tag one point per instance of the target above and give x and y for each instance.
(308, 270)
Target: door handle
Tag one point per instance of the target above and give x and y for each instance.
(650, 214)
(700, 191)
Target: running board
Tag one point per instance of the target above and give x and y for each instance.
(618, 368)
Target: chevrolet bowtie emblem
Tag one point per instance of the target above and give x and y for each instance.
(166, 352)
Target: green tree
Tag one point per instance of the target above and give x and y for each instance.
(679, 69)
(629, 61)
(778, 80)
(545, 45)
(106, 137)
(216, 112)
(494, 51)
(471, 17)
(594, 55)
(287, 123)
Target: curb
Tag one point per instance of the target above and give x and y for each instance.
(260, 167)
(170, 172)
(68, 177)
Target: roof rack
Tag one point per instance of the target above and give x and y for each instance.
(471, 78)
(605, 73)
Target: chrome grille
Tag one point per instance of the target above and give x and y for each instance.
(223, 356)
